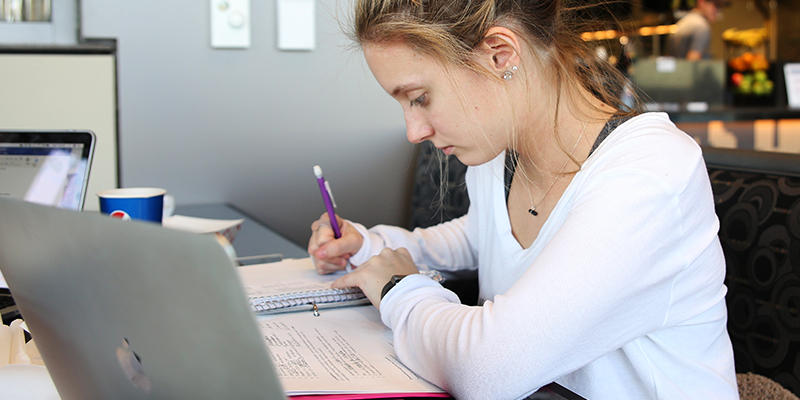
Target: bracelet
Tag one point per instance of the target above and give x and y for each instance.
(392, 282)
(433, 274)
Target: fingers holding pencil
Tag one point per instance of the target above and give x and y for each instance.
(330, 254)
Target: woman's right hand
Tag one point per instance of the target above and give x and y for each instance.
(330, 254)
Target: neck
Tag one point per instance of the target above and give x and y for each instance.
(543, 157)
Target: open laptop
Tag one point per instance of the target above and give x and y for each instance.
(46, 167)
(130, 310)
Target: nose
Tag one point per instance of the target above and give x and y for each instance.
(417, 128)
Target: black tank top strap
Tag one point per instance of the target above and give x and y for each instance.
(511, 159)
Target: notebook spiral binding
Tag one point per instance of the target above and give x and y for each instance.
(322, 296)
(267, 303)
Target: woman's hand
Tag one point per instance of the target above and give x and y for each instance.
(373, 275)
(330, 254)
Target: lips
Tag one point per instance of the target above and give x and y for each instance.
(447, 150)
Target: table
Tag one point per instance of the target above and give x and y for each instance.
(253, 239)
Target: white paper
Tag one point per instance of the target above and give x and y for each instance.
(344, 350)
(287, 276)
(296, 25)
(201, 225)
(27, 382)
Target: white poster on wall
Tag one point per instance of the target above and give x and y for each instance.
(792, 73)
(296, 25)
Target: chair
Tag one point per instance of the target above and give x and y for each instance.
(757, 387)
(427, 208)
(757, 199)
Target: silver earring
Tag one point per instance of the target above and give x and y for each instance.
(508, 74)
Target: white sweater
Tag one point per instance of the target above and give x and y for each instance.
(621, 295)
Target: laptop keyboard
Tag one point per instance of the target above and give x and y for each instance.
(6, 300)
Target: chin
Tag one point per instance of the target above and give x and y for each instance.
(473, 160)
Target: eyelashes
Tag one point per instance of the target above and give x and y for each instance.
(419, 101)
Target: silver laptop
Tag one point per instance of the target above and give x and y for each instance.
(132, 310)
(46, 167)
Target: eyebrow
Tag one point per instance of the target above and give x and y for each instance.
(399, 89)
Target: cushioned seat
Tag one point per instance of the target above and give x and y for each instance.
(757, 198)
(757, 387)
(428, 208)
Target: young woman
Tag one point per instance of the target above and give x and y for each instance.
(591, 226)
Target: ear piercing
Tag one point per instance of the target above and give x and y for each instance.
(508, 74)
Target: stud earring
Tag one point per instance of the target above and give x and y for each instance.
(508, 74)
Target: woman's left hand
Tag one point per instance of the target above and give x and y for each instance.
(374, 274)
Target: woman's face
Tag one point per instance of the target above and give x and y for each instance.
(460, 111)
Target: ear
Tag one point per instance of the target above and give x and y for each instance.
(500, 49)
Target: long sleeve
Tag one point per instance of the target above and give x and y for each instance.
(621, 294)
(447, 247)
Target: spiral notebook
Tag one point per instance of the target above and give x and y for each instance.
(294, 285)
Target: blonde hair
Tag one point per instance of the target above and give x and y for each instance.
(449, 31)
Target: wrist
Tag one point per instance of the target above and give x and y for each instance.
(393, 281)
(363, 253)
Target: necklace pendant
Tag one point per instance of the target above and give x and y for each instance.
(532, 211)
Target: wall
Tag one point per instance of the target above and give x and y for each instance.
(246, 126)
(65, 91)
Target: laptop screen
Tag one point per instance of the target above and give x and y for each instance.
(46, 167)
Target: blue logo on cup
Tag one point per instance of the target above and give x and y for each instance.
(133, 203)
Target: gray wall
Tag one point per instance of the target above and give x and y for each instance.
(246, 126)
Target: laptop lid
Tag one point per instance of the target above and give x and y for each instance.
(46, 167)
(132, 310)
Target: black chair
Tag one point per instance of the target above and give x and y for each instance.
(757, 199)
(429, 208)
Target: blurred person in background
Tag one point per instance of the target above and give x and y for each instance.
(693, 37)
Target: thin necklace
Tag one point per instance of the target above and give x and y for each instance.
(532, 210)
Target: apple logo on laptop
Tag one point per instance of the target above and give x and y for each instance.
(132, 366)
